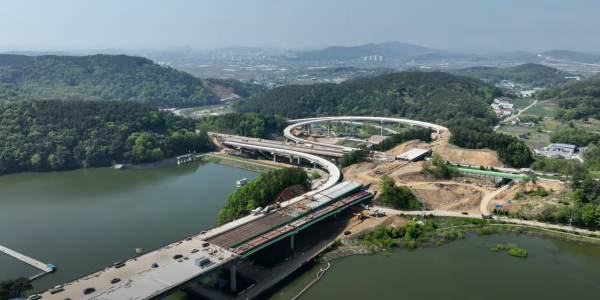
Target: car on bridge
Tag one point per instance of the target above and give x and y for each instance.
(177, 256)
(89, 291)
(115, 280)
(194, 250)
(119, 264)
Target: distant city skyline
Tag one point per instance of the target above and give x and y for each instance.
(466, 25)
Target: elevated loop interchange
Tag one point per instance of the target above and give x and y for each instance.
(301, 122)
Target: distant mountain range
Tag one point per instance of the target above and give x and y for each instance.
(572, 56)
(387, 50)
(530, 74)
(399, 50)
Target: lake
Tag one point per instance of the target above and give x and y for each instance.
(464, 269)
(84, 220)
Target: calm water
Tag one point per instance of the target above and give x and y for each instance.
(86, 219)
(464, 269)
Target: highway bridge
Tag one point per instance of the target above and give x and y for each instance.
(228, 244)
(247, 142)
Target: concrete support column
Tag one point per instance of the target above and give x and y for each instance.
(381, 128)
(216, 278)
(292, 241)
(298, 159)
(291, 159)
(314, 165)
(233, 278)
(274, 157)
(328, 128)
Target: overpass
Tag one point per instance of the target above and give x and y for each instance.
(317, 150)
(301, 122)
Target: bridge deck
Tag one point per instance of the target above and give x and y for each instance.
(298, 224)
(240, 233)
(278, 218)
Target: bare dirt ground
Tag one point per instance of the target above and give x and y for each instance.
(376, 138)
(441, 195)
(331, 140)
(354, 225)
(527, 203)
(219, 90)
(469, 156)
(450, 197)
(404, 147)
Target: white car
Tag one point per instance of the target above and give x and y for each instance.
(34, 297)
(194, 250)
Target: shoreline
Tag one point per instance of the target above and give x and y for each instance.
(238, 162)
(338, 249)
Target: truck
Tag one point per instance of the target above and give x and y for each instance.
(202, 262)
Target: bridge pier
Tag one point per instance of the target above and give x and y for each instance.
(328, 128)
(381, 128)
(216, 278)
(292, 241)
(274, 157)
(298, 159)
(233, 278)
(291, 159)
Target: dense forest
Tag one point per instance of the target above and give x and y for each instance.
(530, 74)
(45, 135)
(261, 192)
(475, 134)
(246, 124)
(578, 100)
(579, 137)
(99, 77)
(427, 96)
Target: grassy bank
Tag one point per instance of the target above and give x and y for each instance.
(436, 231)
(239, 162)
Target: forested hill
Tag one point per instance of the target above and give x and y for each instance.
(530, 74)
(99, 77)
(576, 100)
(45, 135)
(427, 96)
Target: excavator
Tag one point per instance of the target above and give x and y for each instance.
(302, 205)
(311, 198)
(360, 216)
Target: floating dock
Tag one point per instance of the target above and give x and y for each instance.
(46, 268)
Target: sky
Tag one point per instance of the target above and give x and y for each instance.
(468, 25)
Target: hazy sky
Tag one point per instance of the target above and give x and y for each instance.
(501, 25)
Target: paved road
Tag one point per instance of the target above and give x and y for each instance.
(459, 214)
(520, 112)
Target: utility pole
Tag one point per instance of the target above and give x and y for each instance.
(571, 220)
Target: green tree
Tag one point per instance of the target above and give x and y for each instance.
(396, 196)
(14, 288)
(589, 214)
